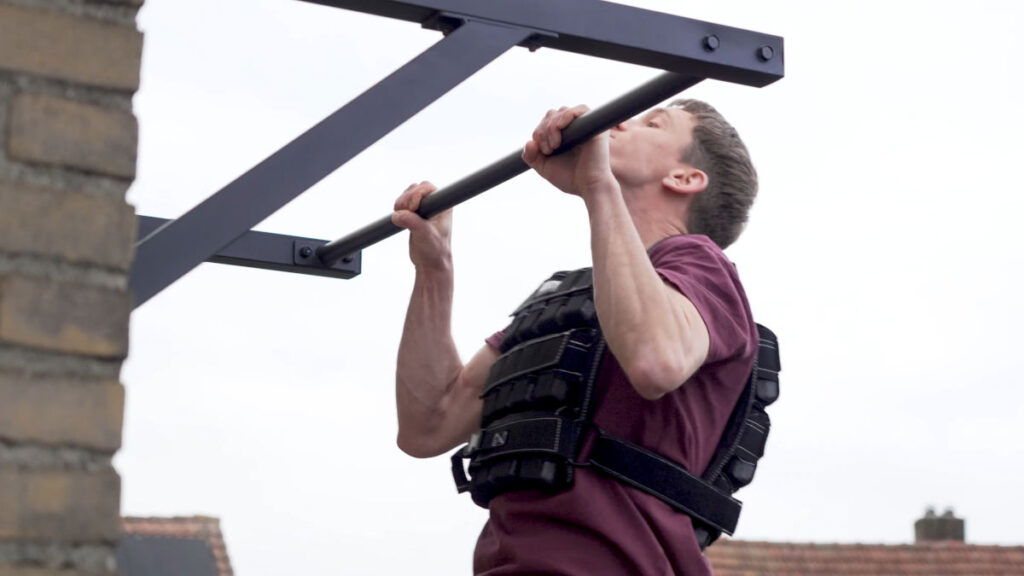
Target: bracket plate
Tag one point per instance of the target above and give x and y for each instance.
(269, 251)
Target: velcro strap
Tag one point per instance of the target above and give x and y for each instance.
(666, 481)
(533, 356)
(530, 435)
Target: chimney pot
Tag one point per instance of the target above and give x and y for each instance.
(945, 528)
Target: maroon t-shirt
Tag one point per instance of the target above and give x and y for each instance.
(601, 526)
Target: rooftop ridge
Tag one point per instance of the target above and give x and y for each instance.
(198, 527)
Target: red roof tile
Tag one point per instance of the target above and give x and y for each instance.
(741, 558)
(203, 528)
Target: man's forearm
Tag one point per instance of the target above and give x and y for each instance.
(643, 326)
(428, 362)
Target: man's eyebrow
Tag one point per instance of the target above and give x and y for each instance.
(660, 112)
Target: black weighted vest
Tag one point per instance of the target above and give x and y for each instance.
(538, 407)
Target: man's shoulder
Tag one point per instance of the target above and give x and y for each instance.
(698, 269)
(688, 245)
(684, 251)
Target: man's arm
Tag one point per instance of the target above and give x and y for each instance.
(655, 332)
(436, 395)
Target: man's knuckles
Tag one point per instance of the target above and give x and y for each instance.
(407, 219)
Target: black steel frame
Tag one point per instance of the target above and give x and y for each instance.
(270, 251)
(219, 228)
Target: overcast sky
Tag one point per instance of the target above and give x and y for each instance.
(884, 250)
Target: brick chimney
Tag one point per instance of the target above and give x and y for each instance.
(935, 528)
(68, 137)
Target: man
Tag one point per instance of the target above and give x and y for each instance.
(665, 192)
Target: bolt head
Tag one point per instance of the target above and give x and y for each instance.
(765, 53)
(305, 252)
(711, 43)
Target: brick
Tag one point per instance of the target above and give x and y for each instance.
(67, 47)
(50, 130)
(59, 505)
(65, 225)
(61, 412)
(64, 316)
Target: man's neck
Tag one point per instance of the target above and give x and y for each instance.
(654, 221)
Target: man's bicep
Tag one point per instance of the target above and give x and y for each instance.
(463, 411)
(478, 368)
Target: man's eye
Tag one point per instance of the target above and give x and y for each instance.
(652, 124)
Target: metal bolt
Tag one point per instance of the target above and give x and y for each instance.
(711, 43)
(765, 53)
(347, 259)
(305, 252)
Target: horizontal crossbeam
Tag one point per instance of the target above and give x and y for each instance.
(268, 251)
(608, 30)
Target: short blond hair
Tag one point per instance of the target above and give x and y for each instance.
(719, 211)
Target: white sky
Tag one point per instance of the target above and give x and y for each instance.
(884, 250)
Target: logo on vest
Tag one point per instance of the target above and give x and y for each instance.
(499, 439)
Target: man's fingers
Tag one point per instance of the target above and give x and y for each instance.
(552, 134)
(424, 188)
(411, 197)
(561, 122)
(408, 204)
(547, 137)
(531, 153)
(402, 202)
(418, 193)
(545, 131)
(539, 135)
(409, 220)
(570, 114)
(548, 134)
(398, 220)
(554, 139)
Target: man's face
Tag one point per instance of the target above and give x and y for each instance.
(647, 148)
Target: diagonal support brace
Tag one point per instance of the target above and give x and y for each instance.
(180, 245)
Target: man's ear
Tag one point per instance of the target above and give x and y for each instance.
(686, 181)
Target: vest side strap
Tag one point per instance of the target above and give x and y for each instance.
(666, 481)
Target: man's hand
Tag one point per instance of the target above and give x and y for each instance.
(438, 397)
(430, 243)
(582, 170)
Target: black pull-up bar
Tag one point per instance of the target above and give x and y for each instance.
(219, 229)
(582, 129)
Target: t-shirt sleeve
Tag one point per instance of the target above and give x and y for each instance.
(699, 270)
(494, 340)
